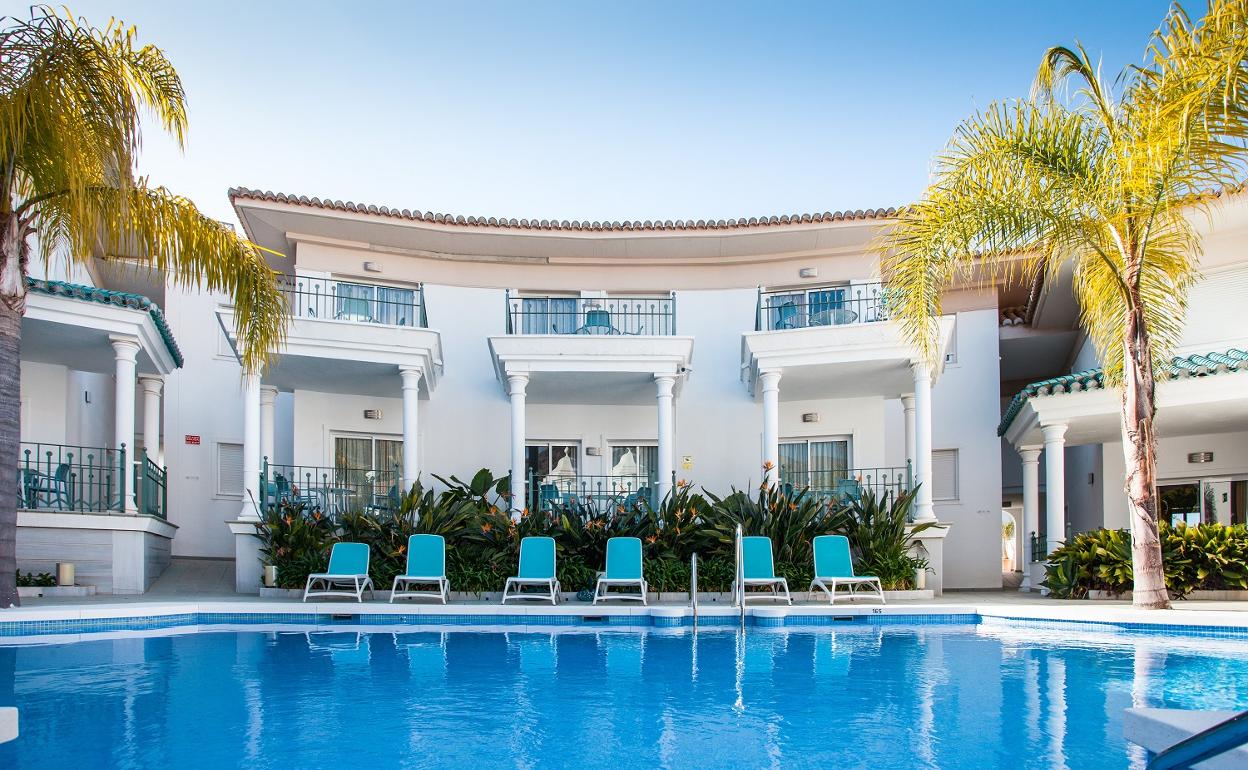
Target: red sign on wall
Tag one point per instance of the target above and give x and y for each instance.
(191, 439)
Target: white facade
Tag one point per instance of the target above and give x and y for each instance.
(424, 365)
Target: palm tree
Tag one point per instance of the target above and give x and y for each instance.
(1106, 178)
(71, 97)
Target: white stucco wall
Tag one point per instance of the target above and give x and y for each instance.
(965, 415)
(43, 402)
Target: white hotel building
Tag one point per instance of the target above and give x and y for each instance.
(593, 358)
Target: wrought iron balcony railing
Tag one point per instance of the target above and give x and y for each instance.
(333, 491)
(822, 306)
(324, 298)
(591, 315)
(596, 495)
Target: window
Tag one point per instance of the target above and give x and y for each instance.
(229, 469)
(550, 463)
(548, 315)
(945, 474)
(355, 457)
(818, 463)
(634, 461)
(375, 304)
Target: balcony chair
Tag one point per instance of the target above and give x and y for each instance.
(50, 490)
(788, 316)
(847, 490)
(354, 309)
(597, 322)
(547, 496)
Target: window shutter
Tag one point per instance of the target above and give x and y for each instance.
(229, 469)
(945, 474)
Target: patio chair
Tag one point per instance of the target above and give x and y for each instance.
(354, 309)
(426, 566)
(547, 496)
(597, 322)
(623, 570)
(347, 574)
(51, 490)
(787, 316)
(847, 490)
(537, 570)
(759, 570)
(834, 567)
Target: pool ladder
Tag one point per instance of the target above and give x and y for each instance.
(1208, 743)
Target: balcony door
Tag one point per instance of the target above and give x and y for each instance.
(816, 307)
(375, 304)
(634, 465)
(817, 463)
(548, 315)
(356, 457)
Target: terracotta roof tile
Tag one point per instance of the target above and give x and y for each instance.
(243, 193)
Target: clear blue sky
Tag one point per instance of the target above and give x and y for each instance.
(606, 111)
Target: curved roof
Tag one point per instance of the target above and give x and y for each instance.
(237, 193)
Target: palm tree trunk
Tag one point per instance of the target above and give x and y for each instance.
(1139, 446)
(12, 305)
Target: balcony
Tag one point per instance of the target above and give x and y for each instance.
(332, 491)
(854, 303)
(326, 299)
(592, 495)
(78, 479)
(848, 484)
(590, 350)
(349, 337)
(609, 316)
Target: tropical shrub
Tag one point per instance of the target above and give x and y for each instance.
(881, 537)
(1203, 557)
(483, 541)
(31, 580)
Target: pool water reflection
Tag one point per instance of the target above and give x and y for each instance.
(951, 696)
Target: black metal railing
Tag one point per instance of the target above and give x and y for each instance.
(596, 495)
(332, 491)
(334, 300)
(849, 484)
(821, 306)
(65, 477)
(1039, 547)
(591, 315)
(151, 487)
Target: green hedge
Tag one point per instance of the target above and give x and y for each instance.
(1204, 557)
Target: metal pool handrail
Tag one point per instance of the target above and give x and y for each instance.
(1206, 744)
(693, 586)
(740, 592)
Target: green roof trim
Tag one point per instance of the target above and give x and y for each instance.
(1180, 367)
(107, 297)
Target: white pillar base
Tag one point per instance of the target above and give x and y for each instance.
(933, 541)
(247, 567)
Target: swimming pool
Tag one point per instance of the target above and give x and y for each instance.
(857, 695)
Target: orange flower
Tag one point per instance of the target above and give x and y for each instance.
(792, 506)
(678, 530)
(493, 509)
(768, 465)
(316, 516)
(402, 549)
(652, 539)
(485, 528)
(681, 484)
(620, 509)
(288, 520)
(524, 513)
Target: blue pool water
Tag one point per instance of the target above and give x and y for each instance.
(879, 697)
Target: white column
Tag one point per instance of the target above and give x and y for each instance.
(251, 447)
(1031, 506)
(667, 434)
(907, 406)
(516, 384)
(268, 422)
(923, 509)
(771, 425)
(125, 352)
(1055, 484)
(410, 376)
(151, 417)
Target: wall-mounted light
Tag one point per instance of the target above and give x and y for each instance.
(593, 451)
(808, 272)
(810, 417)
(372, 414)
(372, 267)
(1200, 457)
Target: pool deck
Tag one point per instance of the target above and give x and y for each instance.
(193, 586)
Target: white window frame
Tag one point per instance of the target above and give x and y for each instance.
(337, 434)
(608, 463)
